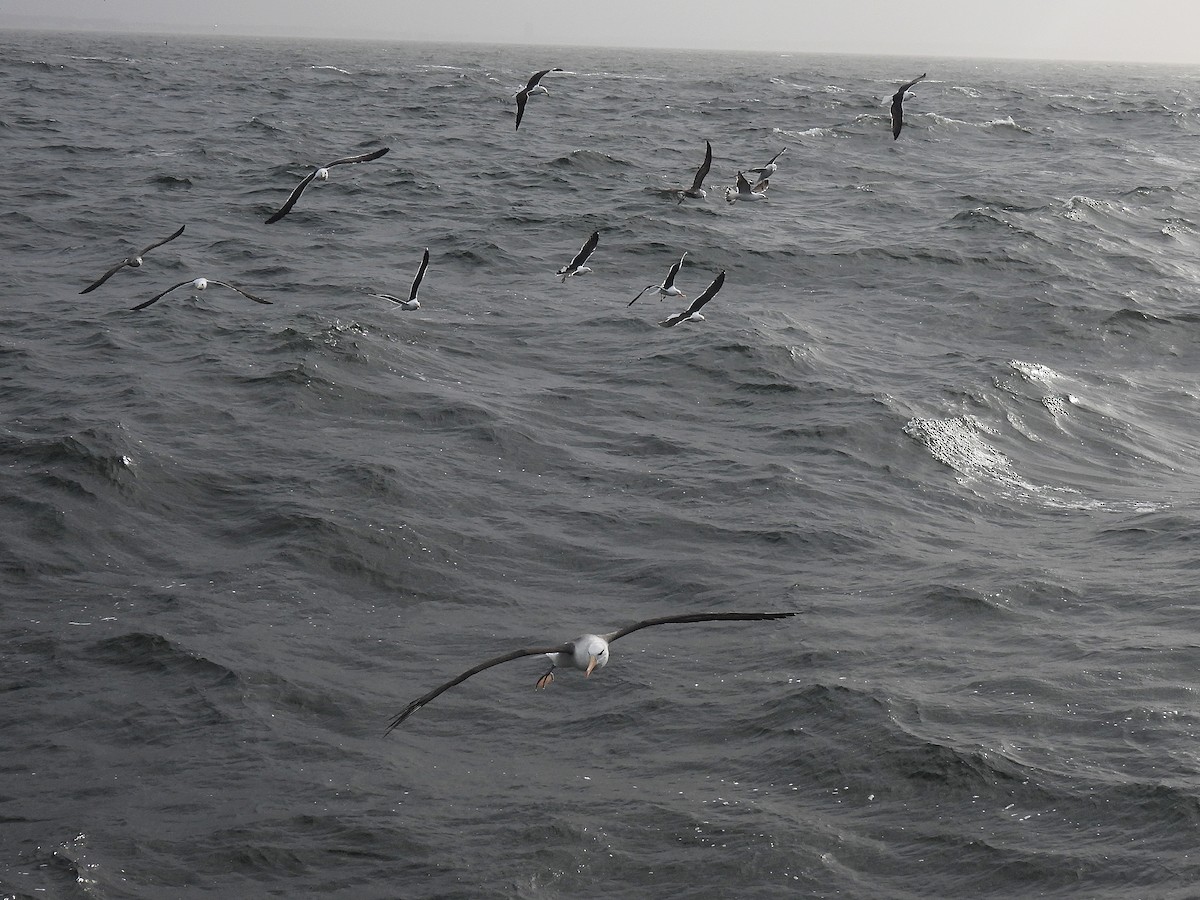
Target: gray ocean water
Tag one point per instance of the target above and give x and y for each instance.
(944, 408)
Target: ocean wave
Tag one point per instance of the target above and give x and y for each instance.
(590, 161)
(958, 442)
(1006, 122)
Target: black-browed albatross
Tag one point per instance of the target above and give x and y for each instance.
(696, 191)
(412, 302)
(322, 174)
(770, 168)
(898, 105)
(692, 313)
(587, 653)
(576, 266)
(134, 262)
(747, 192)
(533, 87)
(201, 284)
(667, 288)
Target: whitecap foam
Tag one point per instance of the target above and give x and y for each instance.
(957, 443)
(808, 132)
(1006, 122)
(1033, 371)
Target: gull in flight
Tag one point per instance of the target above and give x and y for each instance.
(576, 266)
(412, 302)
(667, 288)
(530, 89)
(134, 262)
(322, 174)
(898, 106)
(747, 193)
(765, 172)
(200, 284)
(696, 191)
(587, 653)
(692, 313)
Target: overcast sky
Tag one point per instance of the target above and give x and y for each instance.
(1130, 30)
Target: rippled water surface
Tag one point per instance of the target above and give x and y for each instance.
(944, 408)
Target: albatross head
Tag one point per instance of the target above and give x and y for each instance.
(587, 653)
(322, 174)
(200, 284)
(591, 653)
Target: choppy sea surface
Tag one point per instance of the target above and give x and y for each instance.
(944, 408)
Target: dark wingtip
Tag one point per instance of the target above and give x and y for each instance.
(397, 720)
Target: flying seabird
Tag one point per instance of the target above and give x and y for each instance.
(898, 106)
(696, 191)
(746, 192)
(765, 172)
(200, 284)
(667, 288)
(322, 174)
(532, 88)
(412, 302)
(576, 266)
(586, 653)
(134, 261)
(692, 313)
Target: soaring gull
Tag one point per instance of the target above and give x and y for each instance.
(747, 193)
(667, 288)
(134, 261)
(696, 191)
(200, 284)
(532, 88)
(898, 106)
(412, 302)
(576, 266)
(765, 172)
(322, 174)
(586, 653)
(692, 313)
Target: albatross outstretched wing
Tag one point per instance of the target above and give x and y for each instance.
(299, 189)
(127, 261)
(695, 617)
(474, 670)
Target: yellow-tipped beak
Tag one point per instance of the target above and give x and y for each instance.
(591, 665)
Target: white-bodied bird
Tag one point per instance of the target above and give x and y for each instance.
(412, 302)
(587, 653)
(523, 95)
(696, 191)
(667, 288)
(322, 174)
(770, 168)
(576, 266)
(200, 284)
(747, 192)
(898, 105)
(134, 262)
(692, 313)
